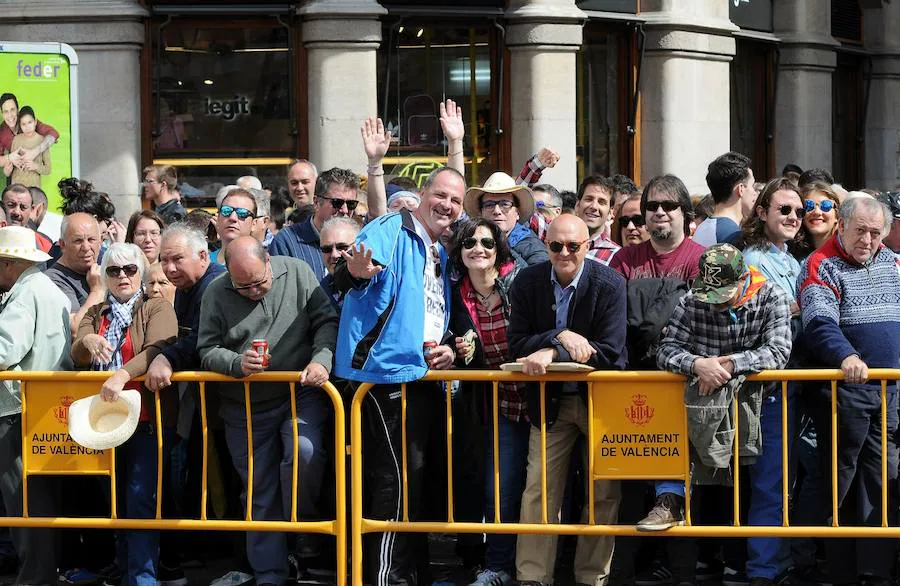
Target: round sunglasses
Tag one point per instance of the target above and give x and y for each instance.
(786, 210)
(825, 206)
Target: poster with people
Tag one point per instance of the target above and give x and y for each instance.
(37, 133)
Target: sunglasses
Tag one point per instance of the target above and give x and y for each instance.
(504, 204)
(486, 243)
(242, 213)
(573, 247)
(129, 270)
(826, 205)
(667, 205)
(786, 210)
(337, 203)
(637, 220)
(327, 248)
(546, 206)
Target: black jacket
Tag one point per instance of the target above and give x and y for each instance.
(651, 302)
(597, 312)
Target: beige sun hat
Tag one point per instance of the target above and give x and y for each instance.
(101, 425)
(500, 182)
(19, 242)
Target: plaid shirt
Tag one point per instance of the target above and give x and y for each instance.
(492, 327)
(756, 333)
(602, 249)
(530, 176)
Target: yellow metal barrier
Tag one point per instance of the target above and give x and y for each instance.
(60, 388)
(598, 381)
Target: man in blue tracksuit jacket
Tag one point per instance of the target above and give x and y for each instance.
(398, 298)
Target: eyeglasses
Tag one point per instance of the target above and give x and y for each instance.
(490, 204)
(786, 210)
(486, 243)
(573, 247)
(242, 213)
(667, 205)
(826, 205)
(637, 220)
(253, 285)
(129, 270)
(546, 206)
(148, 234)
(337, 203)
(327, 248)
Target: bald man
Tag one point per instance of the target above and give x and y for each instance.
(279, 300)
(566, 310)
(77, 273)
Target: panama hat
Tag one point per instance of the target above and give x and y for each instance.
(19, 242)
(500, 182)
(101, 425)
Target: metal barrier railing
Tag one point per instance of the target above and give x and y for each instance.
(44, 384)
(599, 382)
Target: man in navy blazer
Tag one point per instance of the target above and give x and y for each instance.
(565, 310)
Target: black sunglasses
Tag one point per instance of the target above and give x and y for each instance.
(826, 205)
(337, 203)
(572, 247)
(637, 220)
(242, 213)
(486, 243)
(667, 205)
(786, 210)
(129, 270)
(327, 248)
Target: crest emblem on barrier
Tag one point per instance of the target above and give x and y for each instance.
(61, 411)
(639, 412)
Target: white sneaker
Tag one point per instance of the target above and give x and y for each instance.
(233, 578)
(491, 578)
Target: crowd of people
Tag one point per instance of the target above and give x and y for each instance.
(383, 283)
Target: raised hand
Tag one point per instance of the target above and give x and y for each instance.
(548, 157)
(360, 262)
(376, 140)
(452, 121)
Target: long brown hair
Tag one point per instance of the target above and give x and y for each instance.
(754, 228)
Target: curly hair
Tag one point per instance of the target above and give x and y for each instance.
(79, 196)
(754, 227)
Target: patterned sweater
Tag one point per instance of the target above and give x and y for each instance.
(849, 308)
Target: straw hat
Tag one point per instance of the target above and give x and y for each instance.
(19, 242)
(500, 182)
(101, 425)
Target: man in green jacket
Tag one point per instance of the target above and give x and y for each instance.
(279, 300)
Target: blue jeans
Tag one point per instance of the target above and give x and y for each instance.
(513, 443)
(273, 461)
(137, 552)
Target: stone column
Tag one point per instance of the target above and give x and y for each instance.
(883, 119)
(543, 37)
(803, 107)
(341, 38)
(108, 36)
(685, 110)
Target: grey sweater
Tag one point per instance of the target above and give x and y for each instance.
(295, 317)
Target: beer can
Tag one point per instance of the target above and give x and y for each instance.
(428, 346)
(262, 348)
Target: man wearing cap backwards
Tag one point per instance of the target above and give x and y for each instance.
(34, 335)
(850, 307)
(504, 202)
(565, 310)
(733, 323)
(398, 262)
(279, 300)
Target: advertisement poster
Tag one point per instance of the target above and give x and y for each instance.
(38, 78)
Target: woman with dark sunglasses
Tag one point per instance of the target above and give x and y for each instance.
(480, 320)
(630, 228)
(122, 336)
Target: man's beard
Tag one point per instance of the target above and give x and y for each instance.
(661, 233)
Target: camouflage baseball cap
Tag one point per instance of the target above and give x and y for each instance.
(721, 269)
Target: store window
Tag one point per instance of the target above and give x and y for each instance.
(605, 106)
(753, 104)
(222, 100)
(419, 66)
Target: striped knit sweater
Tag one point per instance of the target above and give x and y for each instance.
(849, 308)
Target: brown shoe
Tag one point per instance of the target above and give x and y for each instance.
(668, 512)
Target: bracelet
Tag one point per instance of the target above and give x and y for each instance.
(375, 167)
(374, 174)
(454, 154)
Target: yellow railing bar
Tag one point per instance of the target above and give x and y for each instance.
(496, 439)
(736, 466)
(785, 438)
(204, 473)
(590, 476)
(405, 485)
(250, 483)
(449, 408)
(356, 569)
(544, 453)
(159, 455)
(834, 458)
(687, 474)
(884, 463)
(295, 478)
(23, 394)
(340, 483)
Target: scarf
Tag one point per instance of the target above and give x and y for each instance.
(120, 318)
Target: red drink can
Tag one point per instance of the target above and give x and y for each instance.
(428, 346)
(262, 348)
